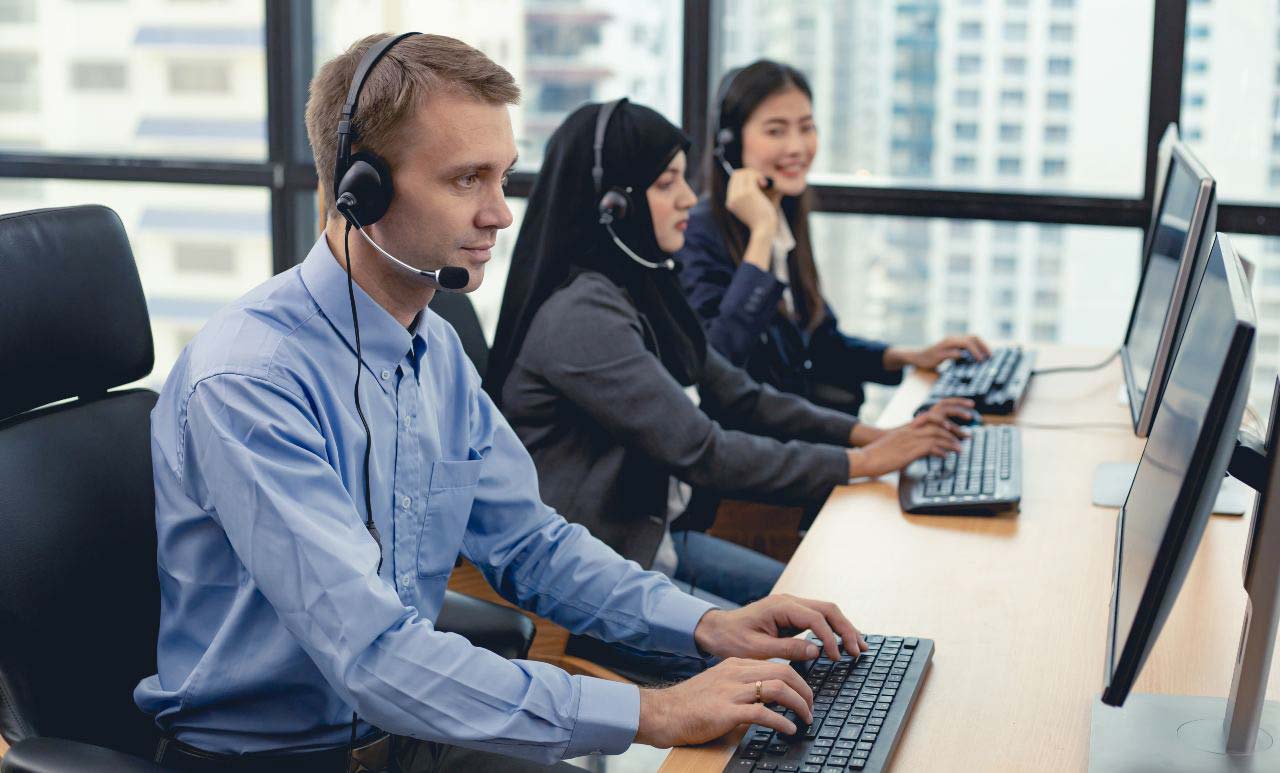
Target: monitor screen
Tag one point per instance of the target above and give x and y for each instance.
(1172, 248)
(1181, 469)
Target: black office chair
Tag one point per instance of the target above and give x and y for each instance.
(456, 309)
(79, 596)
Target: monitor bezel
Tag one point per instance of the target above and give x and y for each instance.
(1142, 407)
(1194, 497)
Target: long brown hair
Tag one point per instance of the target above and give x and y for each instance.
(741, 92)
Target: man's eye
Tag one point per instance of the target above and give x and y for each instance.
(467, 181)
(506, 178)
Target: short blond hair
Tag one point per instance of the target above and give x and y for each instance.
(423, 65)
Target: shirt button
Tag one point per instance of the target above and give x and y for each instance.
(406, 581)
(386, 374)
(405, 502)
(406, 422)
(808, 364)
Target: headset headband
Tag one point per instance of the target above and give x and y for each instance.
(602, 123)
(346, 132)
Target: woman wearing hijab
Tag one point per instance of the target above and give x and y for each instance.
(748, 267)
(604, 371)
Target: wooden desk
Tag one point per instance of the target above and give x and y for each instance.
(1018, 604)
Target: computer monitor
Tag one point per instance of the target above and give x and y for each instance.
(1181, 469)
(1184, 226)
(1164, 151)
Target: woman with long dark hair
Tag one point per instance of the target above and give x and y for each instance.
(748, 267)
(604, 371)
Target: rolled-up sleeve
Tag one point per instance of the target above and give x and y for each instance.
(255, 459)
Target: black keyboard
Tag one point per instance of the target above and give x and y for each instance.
(984, 477)
(859, 709)
(996, 384)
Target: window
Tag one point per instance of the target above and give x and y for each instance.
(960, 264)
(1057, 100)
(1049, 266)
(1055, 134)
(182, 80)
(203, 258)
(1058, 65)
(891, 80)
(1004, 265)
(18, 83)
(199, 77)
(1054, 167)
(971, 30)
(17, 11)
(1240, 69)
(1061, 33)
(99, 75)
(959, 295)
(968, 64)
(966, 131)
(1006, 232)
(1010, 132)
(1062, 4)
(964, 164)
(1044, 332)
(1004, 297)
(1046, 298)
(564, 54)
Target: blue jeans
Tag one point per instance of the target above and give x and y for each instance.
(721, 572)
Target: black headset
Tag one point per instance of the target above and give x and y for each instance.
(362, 181)
(615, 203)
(724, 135)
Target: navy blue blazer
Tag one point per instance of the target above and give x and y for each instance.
(738, 306)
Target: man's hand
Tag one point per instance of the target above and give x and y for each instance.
(764, 629)
(719, 699)
(948, 348)
(927, 435)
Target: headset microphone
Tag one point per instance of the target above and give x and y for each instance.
(452, 278)
(723, 138)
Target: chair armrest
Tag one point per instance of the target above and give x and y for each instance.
(501, 630)
(56, 755)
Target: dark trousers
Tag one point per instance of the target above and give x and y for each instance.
(416, 756)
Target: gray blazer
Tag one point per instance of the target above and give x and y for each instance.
(607, 425)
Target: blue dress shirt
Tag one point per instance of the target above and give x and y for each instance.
(275, 621)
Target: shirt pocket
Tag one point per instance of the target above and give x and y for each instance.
(450, 494)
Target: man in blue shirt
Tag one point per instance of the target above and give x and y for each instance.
(281, 615)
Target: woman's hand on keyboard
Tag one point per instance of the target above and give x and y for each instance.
(927, 435)
(931, 357)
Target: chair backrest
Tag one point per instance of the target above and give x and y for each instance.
(457, 310)
(79, 596)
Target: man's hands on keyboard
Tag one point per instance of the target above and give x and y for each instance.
(762, 629)
(720, 699)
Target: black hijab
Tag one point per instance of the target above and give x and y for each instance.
(561, 236)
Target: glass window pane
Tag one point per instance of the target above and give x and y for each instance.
(139, 79)
(892, 80)
(913, 280)
(561, 53)
(1229, 96)
(197, 247)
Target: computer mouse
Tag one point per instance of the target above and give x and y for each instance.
(974, 419)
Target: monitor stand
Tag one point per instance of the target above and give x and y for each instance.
(1111, 481)
(1187, 734)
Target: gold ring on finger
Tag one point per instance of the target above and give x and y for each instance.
(759, 692)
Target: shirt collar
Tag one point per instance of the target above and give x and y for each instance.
(384, 342)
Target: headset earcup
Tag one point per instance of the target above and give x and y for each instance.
(614, 206)
(368, 179)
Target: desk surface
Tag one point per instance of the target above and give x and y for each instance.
(1017, 604)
